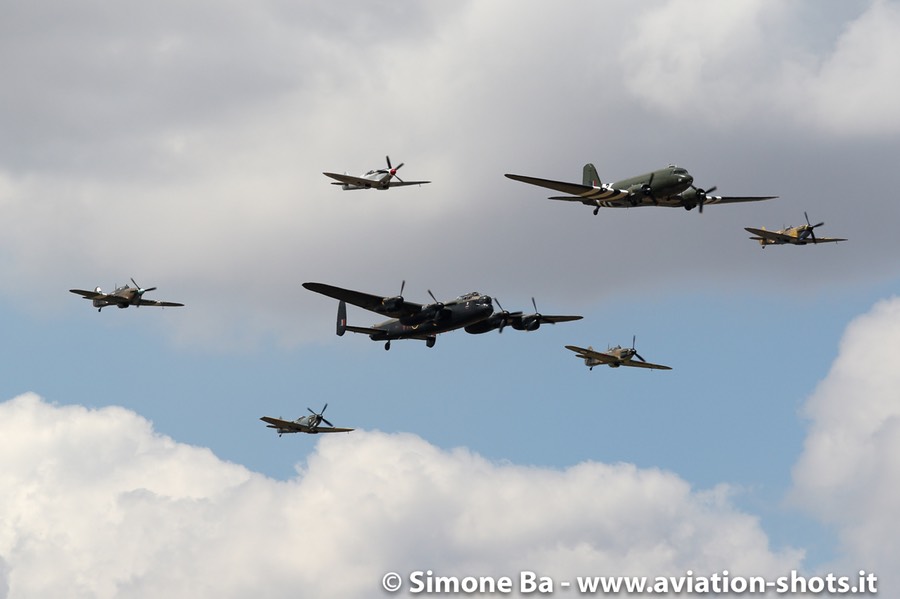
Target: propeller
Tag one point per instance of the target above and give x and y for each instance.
(647, 190)
(317, 418)
(532, 322)
(392, 171)
(140, 291)
(505, 316)
(701, 196)
(811, 228)
(438, 307)
(636, 355)
(394, 303)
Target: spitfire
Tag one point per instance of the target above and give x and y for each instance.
(672, 186)
(799, 235)
(305, 424)
(122, 297)
(473, 311)
(614, 357)
(374, 179)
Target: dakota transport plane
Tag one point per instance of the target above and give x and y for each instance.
(672, 186)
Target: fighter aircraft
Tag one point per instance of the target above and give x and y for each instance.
(672, 186)
(517, 320)
(379, 179)
(799, 235)
(614, 357)
(122, 297)
(408, 320)
(304, 424)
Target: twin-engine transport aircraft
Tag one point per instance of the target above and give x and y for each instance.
(614, 357)
(122, 297)
(672, 186)
(408, 320)
(799, 235)
(304, 424)
(378, 179)
(517, 320)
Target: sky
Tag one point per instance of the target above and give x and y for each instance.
(183, 145)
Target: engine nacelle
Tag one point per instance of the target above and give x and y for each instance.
(528, 323)
(392, 304)
(483, 326)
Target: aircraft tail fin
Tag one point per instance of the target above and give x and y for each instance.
(341, 318)
(591, 177)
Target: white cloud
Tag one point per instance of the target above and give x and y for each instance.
(847, 474)
(96, 504)
(853, 91)
(704, 59)
(763, 63)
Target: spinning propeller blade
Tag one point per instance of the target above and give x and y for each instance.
(636, 355)
(701, 196)
(319, 417)
(812, 232)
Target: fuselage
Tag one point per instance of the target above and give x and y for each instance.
(380, 179)
(671, 186)
(437, 318)
(122, 297)
(622, 355)
(800, 235)
(662, 183)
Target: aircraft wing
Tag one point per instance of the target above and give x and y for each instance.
(402, 183)
(366, 301)
(771, 235)
(285, 424)
(593, 354)
(735, 199)
(639, 364)
(553, 319)
(586, 194)
(576, 189)
(290, 425)
(826, 239)
(91, 295)
(333, 429)
(351, 180)
(159, 304)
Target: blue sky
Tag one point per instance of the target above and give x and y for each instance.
(188, 154)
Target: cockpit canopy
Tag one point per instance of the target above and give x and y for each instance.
(472, 295)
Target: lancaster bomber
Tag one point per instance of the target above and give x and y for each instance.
(672, 186)
(408, 320)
